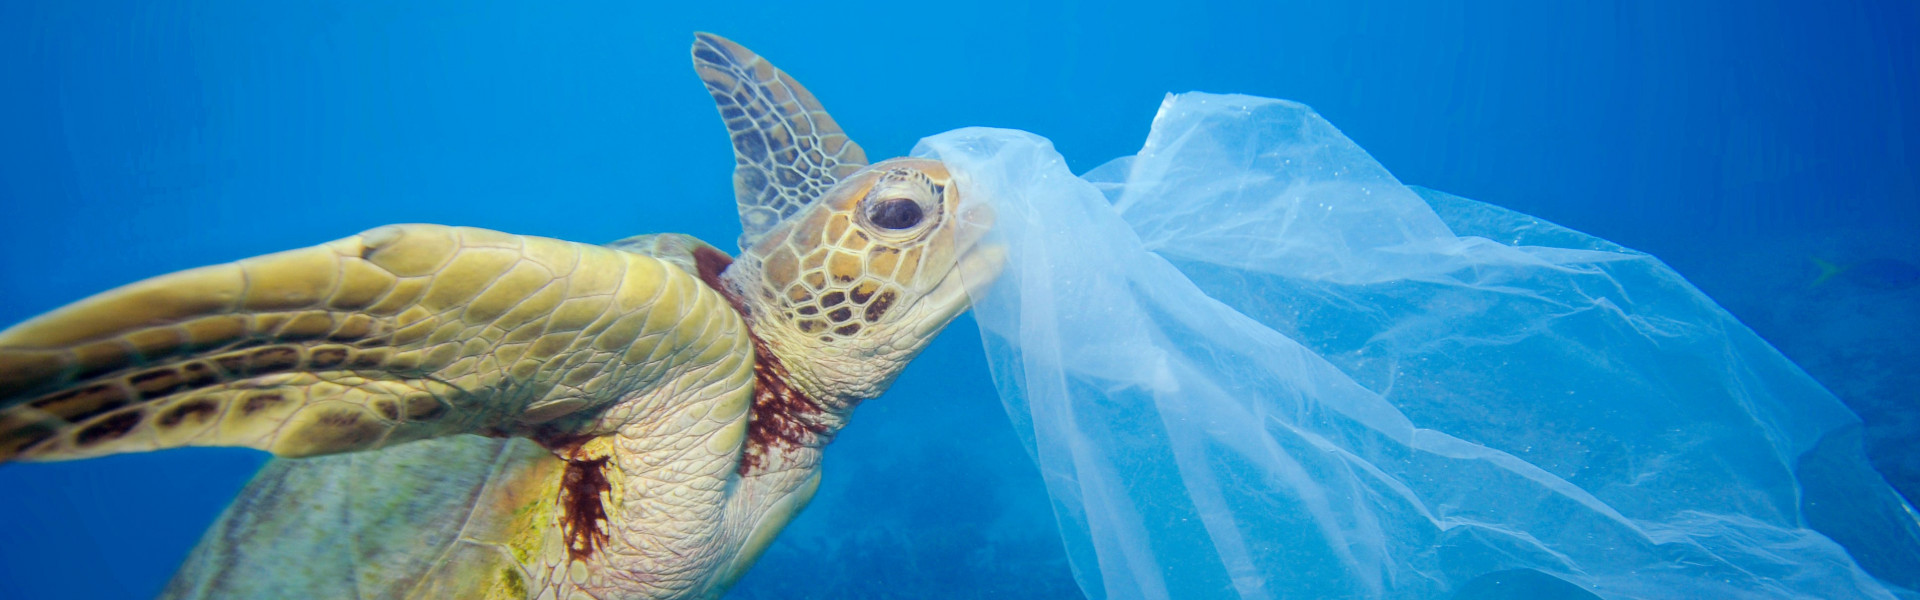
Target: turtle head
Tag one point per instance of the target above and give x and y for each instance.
(860, 281)
(847, 270)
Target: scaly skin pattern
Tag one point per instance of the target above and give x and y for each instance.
(465, 413)
(402, 333)
(635, 373)
(655, 483)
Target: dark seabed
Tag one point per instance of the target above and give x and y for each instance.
(1738, 141)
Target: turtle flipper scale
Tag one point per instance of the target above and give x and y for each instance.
(401, 333)
(787, 150)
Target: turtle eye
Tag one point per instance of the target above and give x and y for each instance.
(895, 213)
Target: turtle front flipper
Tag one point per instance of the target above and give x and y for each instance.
(401, 333)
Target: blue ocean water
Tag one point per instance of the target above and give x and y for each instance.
(1737, 141)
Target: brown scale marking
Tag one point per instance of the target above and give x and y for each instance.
(340, 418)
(583, 508)
(234, 364)
(424, 407)
(201, 409)
(277, 358)
(343, 428)
(832, 299)
(260, 402)
(809, 310)
(879, 306)
(156, 383)
(848, 329)
(26, 436)
(107, 429)
(782, 414)
(368, 360)
(198, 375)
(811, 325)
(864, 292)
(327, 357)
(84, 403)
(840, 315)
(388, 409)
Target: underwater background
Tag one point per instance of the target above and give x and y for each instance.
(1766, 150)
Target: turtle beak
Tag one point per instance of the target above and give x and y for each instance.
(980, 259)
(978, 264)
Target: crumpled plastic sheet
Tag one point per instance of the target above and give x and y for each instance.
(1251, 364)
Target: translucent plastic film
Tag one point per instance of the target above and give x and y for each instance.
(1251, 364)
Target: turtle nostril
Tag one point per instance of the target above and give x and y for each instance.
(895, 213)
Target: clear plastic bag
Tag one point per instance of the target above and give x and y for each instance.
(1251, 364)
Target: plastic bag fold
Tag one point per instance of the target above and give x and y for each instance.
(1251, 364)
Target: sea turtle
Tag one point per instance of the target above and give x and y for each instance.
(465, 413)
